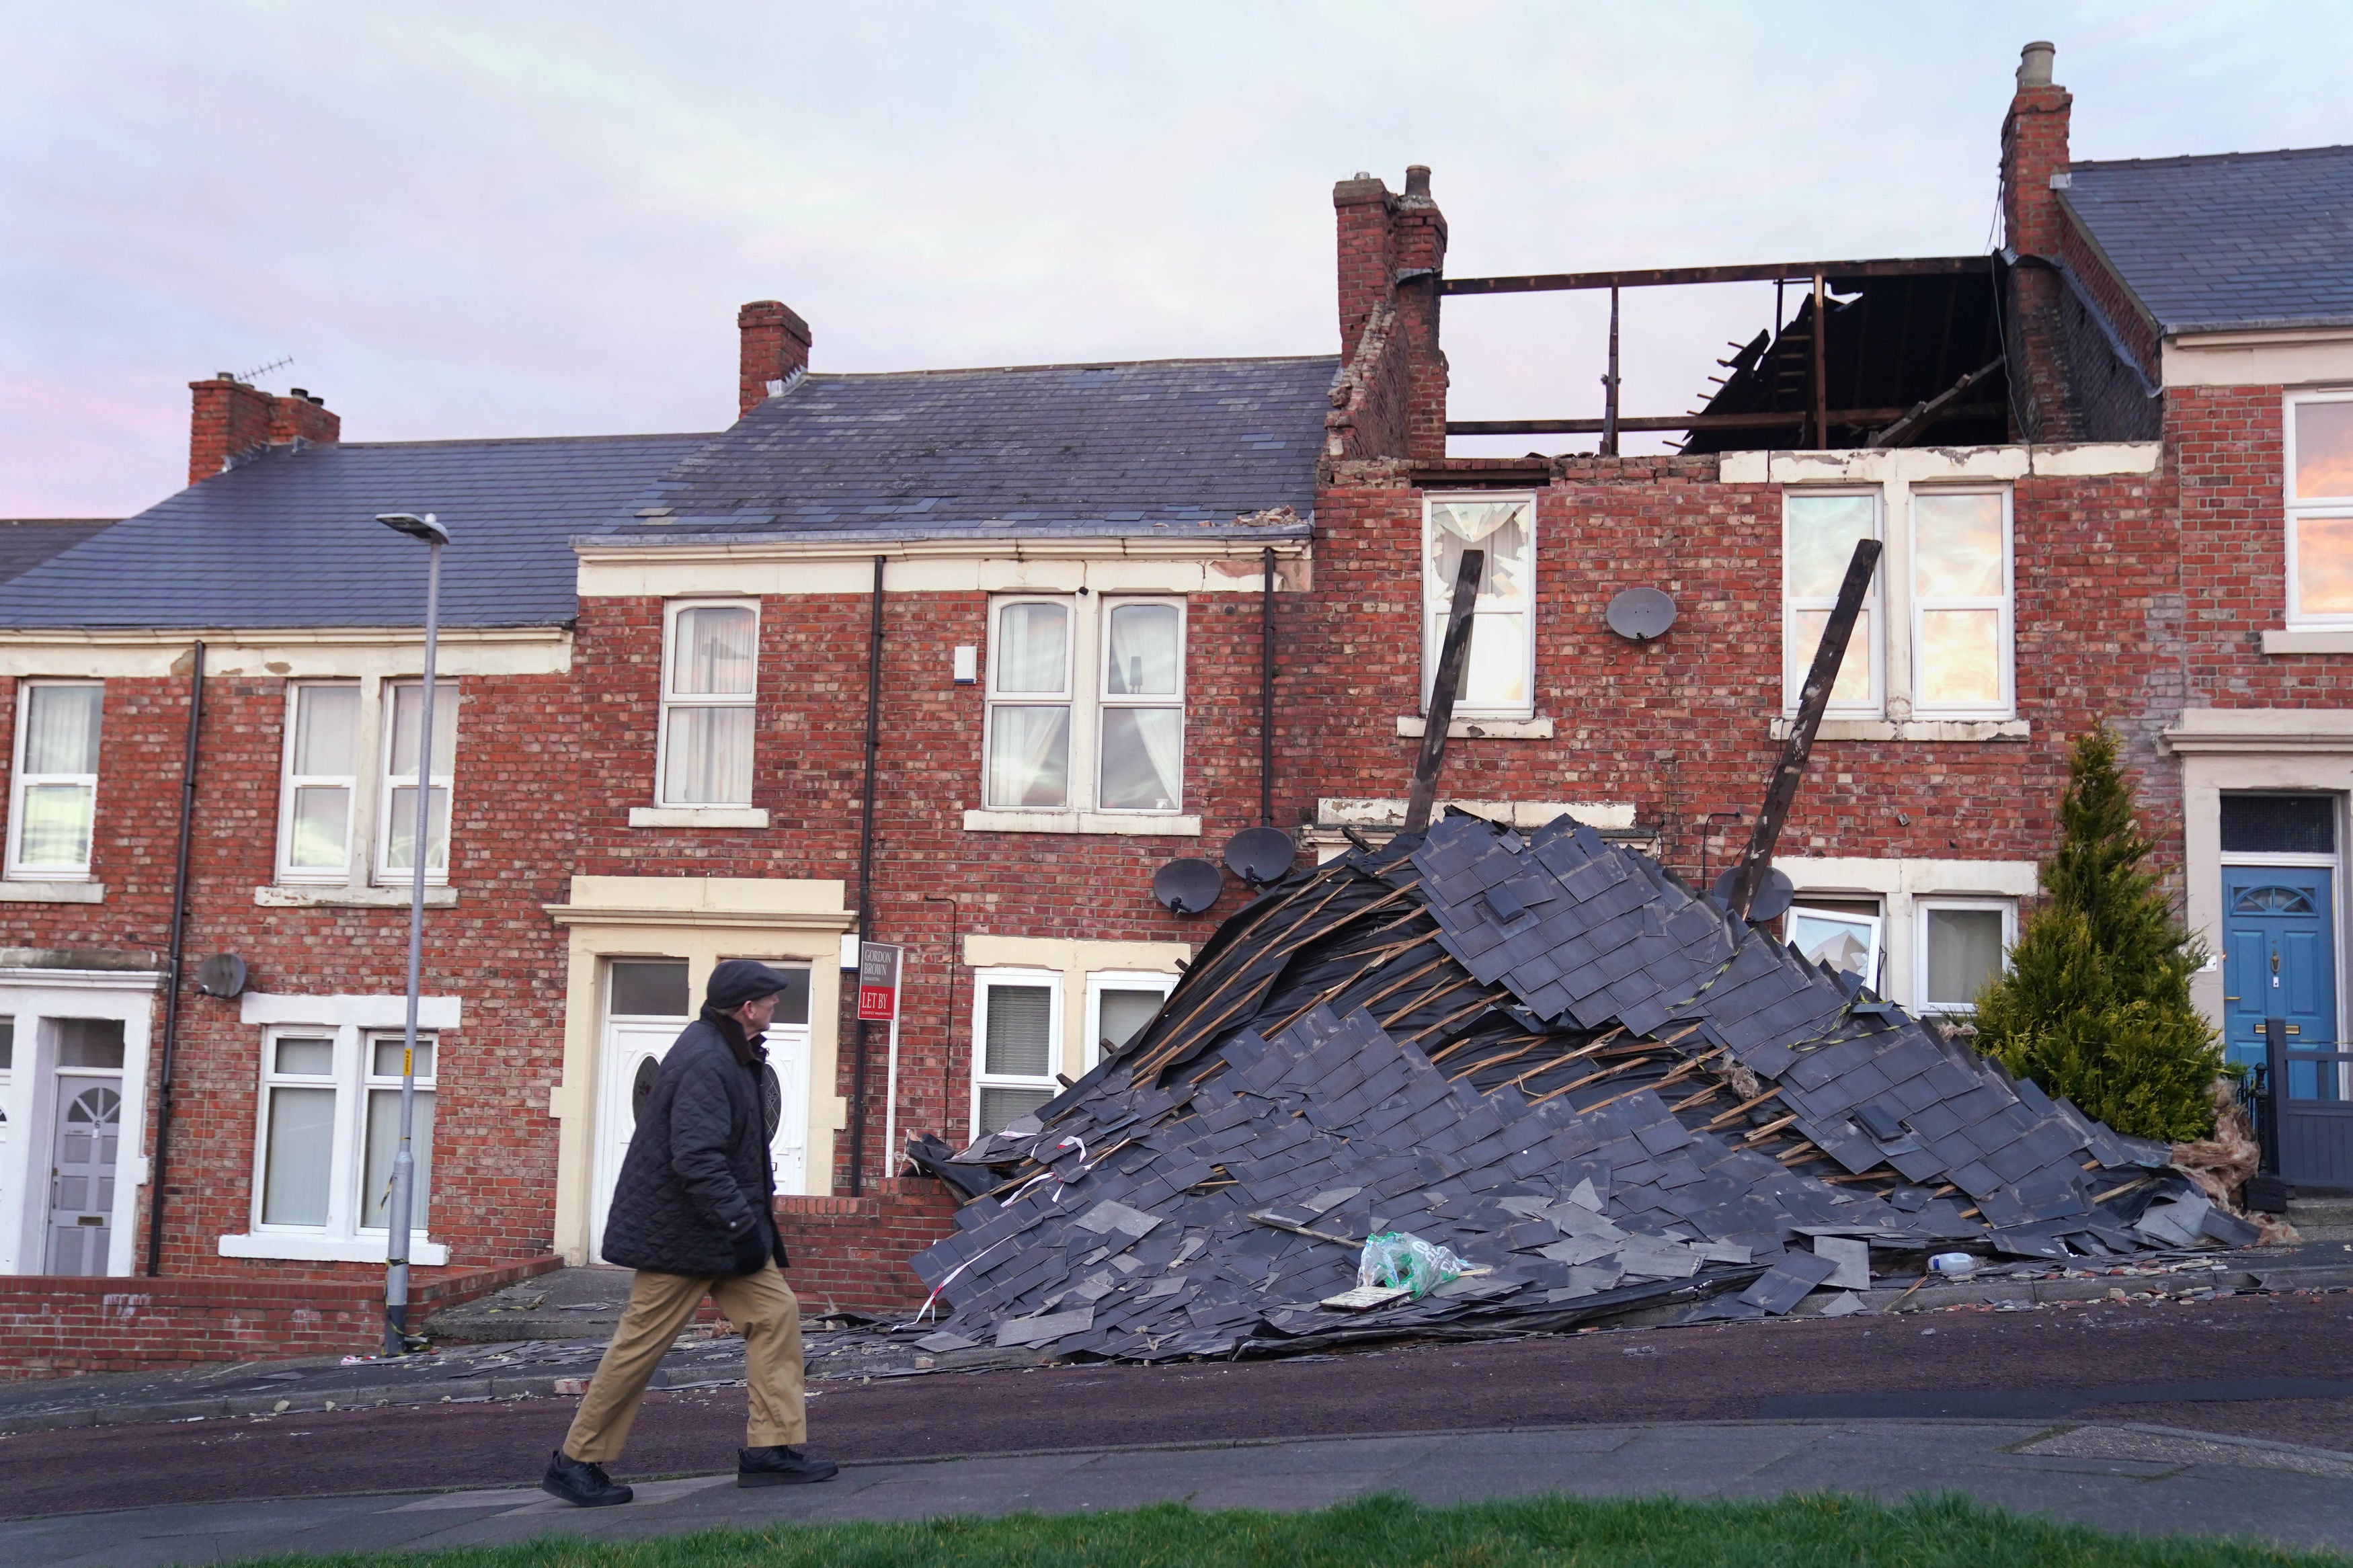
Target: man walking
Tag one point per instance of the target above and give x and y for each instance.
(692, 1214)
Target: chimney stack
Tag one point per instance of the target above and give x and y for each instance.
(230, 420)
(2033, 173)
(774, 349)
(1392, 256)
(2033, 152)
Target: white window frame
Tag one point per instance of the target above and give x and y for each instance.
(1437, 602)
(18, 780)
(445, 777)
(2299, 508)
(1921, 966)
(1797, 660)
(1876, 960)
(2005, 603)
(352, 1079)
(1089, 651)
(982, 982)
(671, 610)
(1102, 980)
(289, 781)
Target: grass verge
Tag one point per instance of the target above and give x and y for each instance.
(1392, 1532)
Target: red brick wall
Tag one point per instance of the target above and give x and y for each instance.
(1678, 727)
(494, 1172)
(851, 1253)
(53, 1327)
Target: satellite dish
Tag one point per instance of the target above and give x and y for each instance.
(1187, 887)
(222, 976)
(1261, 855)
(1774, 895)
(1637, 614)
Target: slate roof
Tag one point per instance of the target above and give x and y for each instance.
(26, 541)
(1030, 449)
(290, 539)
(2237, 240)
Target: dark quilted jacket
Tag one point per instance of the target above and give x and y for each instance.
(698, 1169)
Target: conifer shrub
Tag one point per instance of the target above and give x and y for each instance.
(2095, 1003)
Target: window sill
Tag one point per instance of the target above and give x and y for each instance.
(52, 893)
(343, 896)
(1113, 822)
(290, 1248)
(698, 816)
(2288, 639)
(1412, 726)
(1914, 730)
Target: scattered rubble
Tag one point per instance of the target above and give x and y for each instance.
(1550, 1055)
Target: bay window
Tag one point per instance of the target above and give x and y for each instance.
(1085, 705)
(53, 788)
(710, 651)
(328, 1129)
(2320, 509)
(1499, 674)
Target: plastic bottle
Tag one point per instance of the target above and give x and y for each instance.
(1953, 1263)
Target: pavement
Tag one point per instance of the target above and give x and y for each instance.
(2131, 1480)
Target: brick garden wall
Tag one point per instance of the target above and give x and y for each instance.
(851, 1253)
(58, 1327)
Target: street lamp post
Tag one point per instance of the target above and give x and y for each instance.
(404, 1163)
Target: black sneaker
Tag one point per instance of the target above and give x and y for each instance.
(582, 1484)
(780, 1467)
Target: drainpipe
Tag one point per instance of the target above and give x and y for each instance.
(1266, 692)
(171, 966)
(866, 881)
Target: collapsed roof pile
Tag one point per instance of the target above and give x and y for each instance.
(1550, 1055)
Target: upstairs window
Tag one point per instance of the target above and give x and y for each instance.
(53, 790)
(347, 793)
(1086, 705)
(2320, 509)
(1499, 676)
(1819, 530)
(404, 708)
(322, 783)
(1960, 602)
(707, 697)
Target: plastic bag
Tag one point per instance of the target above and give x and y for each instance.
(1397, 1259)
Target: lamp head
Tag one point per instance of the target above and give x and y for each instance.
(424, 528)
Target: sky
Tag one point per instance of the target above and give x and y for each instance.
(535, 219)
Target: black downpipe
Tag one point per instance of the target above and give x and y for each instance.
(866, 883)
(172, 968)
(1266, 693)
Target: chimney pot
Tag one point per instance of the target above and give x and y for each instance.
(1417, 179)
(2034, 65)
(299, 392)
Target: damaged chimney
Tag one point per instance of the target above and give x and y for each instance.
(2033, 173)
(230, 420)
(776, 348)
(1392, 254)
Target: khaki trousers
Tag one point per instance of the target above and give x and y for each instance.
(763, 1310)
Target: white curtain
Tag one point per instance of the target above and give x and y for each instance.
(408, 707)
(61, 730)
(714, 651)
(1033, 647)
(707, 758)
(1143, 660)
(326, 730)
(1500, 528)
(1144, 759)
(301, 1150)
(1029, 756)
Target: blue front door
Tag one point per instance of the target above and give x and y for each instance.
(2280, 961)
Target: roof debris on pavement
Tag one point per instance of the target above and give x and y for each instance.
(1548, 1055)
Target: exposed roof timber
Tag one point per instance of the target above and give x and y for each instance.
(1768, 421)
(1758, 272)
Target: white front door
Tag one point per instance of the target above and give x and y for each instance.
(633, 1051)
(88, 1141)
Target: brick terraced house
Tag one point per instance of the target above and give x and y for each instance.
(2111, 464)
